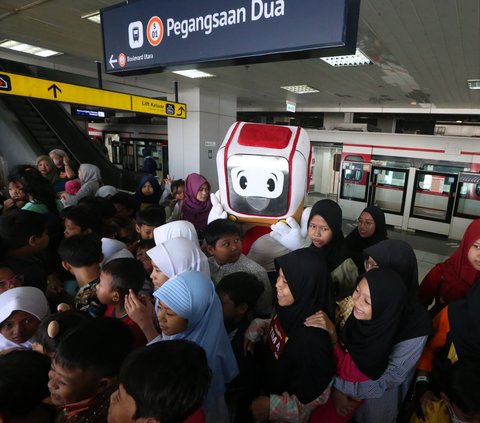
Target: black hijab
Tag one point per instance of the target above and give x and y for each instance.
(464, 318)
(309, 282)
(356, 243)
(370, 342)
(336, 251)
(399, 256)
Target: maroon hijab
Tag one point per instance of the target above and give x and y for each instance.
(196, 212)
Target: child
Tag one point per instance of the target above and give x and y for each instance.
(197, 204)
(91, 180)
(18, 197)
(118, 278)
(54, 328)
(21, 310)
(72, 187)
(174, 201)
(225, 245)
(148, 193)
(81, 255)
(24, 237)
(147, 220)
(125, 206)
(177, 229)
(85, 369)
(8, 278)
(141, 255)
(188, 308)
(23, 387)
(169, 393)
(80, 219)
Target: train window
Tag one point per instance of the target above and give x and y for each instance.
(353, 175)
(442, 168)
(350, 158)
(477, 189)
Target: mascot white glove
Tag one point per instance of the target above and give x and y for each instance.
(292, 235)
(217, 211)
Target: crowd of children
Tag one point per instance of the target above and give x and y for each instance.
(122, 307)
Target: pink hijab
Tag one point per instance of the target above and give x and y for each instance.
(193, 210)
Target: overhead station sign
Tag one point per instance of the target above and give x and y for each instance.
(145, 35)
(27, 86)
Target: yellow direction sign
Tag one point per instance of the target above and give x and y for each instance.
(27, 86)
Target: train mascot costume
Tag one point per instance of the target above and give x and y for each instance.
(263, 174)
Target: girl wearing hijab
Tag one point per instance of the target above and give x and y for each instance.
(299, 362)
(177, 229)
(148, 192)
(48, 170)
(325, 232)
(188, 308)
(21, 310)
(457, 337)
(90, 179)
(370, 230)
(171, 258)
(382, 397)
(364, 344)
(452, 279)
(197, 205)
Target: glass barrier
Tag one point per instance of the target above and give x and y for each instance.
(388, 189)
(354, 181)
(468, 196)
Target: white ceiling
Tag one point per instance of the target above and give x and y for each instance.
(423, 51)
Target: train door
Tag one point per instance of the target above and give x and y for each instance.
(432, 201)
(388, 189)
(467, 204)
(354, 182)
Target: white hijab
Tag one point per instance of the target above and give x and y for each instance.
(176, 229)
(113, 249)
(24, 298)
(178, 255)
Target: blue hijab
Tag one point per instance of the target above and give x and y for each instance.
(151, 199)
(191, 295)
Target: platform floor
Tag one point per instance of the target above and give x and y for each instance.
(430, 249)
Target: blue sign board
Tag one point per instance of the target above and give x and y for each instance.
(145, 35)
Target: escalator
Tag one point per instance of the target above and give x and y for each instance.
(50, 126)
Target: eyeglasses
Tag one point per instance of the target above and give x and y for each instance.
(370, 264)
(361, 222)
(15, 280)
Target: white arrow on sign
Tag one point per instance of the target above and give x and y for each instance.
(112, 61)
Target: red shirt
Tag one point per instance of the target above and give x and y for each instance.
(139, 339)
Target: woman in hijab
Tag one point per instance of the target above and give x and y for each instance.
(299, 362)
(90, 179)
(177, 229)
(325, 232)
(452, 279)
(171, 258)
(364, 344)
(48, 170)
(63, 165)
(188, 308)
(148, 192)
(370, 230)
(197, 205)
(457, 337)
(382, 397)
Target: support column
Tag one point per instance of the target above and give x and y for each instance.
(193, 142)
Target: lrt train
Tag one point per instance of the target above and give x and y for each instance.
(421, 182)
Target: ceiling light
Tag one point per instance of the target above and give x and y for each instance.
(357, 59)
(473, 84)
(300, 89)
(28, 48)
(194, 73)
(94, 17)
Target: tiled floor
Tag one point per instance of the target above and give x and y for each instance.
(429, 249)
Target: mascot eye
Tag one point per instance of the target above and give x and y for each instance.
(271, 185)
(243, 182)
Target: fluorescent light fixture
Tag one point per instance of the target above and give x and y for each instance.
(94, 17)
(193, 73)
(357, 59)
(300, 89)
(28, 48)
(473, 84)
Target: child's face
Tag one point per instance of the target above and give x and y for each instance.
(145, 231)
(9, 280)
(232, 312)
(41, 242)
(157, 276)
(71, 228)
(362, 302)
(319, 231)
(203, 193)
(147, 189)
(122, 407)
(474, 255)
(19, 327)
(43, 167)
(170, 322)
(105, 293)
(179, 194)
(15, 190)
(142, 256)
(228, 249)
(284, 295)
(123, 212)
(68, 386)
